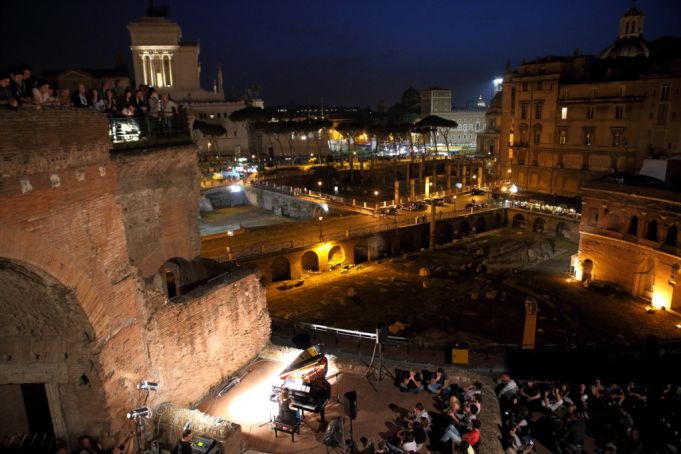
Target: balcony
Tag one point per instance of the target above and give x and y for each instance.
(128, 132)
(520, 144)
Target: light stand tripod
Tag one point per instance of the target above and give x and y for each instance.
(375, 372)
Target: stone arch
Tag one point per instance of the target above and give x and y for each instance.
(587, 270)
(562, 230)
(443, 235)
(632, 229)
(480, 225)
(539, 225)
(361, 252)
(336, 255)
(498, 220)
(464, 228)
(280, 269)
(175, 274)
(276, 206)
(317, 212)
(518, 221)
(310, 261)
(644, 279)
(651, 230)
(672, 236)
(60, 368)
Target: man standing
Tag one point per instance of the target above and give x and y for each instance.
(80, 98)
(184, 446)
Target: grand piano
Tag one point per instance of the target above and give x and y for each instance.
(305, 378)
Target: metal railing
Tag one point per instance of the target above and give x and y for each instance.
(141, 129)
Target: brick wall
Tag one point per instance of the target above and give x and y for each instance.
(204, 336)
(91, 226)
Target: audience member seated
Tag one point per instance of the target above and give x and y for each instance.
(110, 103)
(413, 382)
(473, 436)
(437, 381)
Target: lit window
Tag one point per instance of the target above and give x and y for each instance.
(212, 116)
(563, 113)
(664, 93)
(562, 137)
(588, 137)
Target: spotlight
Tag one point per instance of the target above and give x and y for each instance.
(148, 385)
(142, 412)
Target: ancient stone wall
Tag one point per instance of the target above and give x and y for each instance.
(158, 191)
(80, 229)
(206, 335)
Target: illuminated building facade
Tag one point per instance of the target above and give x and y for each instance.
(438, 101)
(566, 120)
(629, 235)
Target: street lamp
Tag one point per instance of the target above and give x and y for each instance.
(230, 234)
(319, 185)
(321, 233)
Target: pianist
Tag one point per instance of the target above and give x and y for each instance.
(286, 413)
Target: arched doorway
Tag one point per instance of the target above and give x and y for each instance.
(444, 233)
(562, 230)
(464, 228)
(280, 269)
(587, 270)
(173, 273)
(539, 225)
(310, 261)
(651, 231)
(480, 225)
(632, 229)
(672, 236)
(644, 279)
(336, 256)
(518, 221)
(361, 253)
(49, 358)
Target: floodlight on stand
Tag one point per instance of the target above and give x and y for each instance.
(148, 385)
(142, 412)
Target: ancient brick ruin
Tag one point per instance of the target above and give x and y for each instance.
(90, 237)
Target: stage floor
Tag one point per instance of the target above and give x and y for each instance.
(248, 404)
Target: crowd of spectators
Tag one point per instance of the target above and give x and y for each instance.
(573, 418)
(19, 87)
(451, 426)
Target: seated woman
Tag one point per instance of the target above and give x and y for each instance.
(437, 381)
(286, 413)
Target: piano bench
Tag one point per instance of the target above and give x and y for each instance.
(286, 427)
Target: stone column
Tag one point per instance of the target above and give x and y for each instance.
(426, 188)
(170, 69)
(144, 68)
(433, 225)
(480, 173)
(397, 192)
(151, 70)
(163, 70)
(463, 176)
(412, 189)
(448, 172)
(530, 329)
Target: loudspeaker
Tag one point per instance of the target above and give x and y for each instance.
(350, 404)
(381, 334)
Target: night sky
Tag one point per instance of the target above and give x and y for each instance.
(348, 52)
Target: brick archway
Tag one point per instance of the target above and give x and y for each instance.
(40, 253)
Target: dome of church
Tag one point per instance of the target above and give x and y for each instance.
(411, 97)
(627, 47)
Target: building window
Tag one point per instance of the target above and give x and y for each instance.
(525, 85)
(540, 85)
(563, 113)
(218, 114)
(588, 137)
(523, 110)
(664, 92)
(537, 110)
(616, 137)
(633, 226)
(651, 233)
(562, 136)
(477, 125)
(619, 112)
(672, 236)
(590, 113)
(623, 90)
(537, 136)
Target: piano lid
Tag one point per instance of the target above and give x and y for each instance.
(310, 357)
